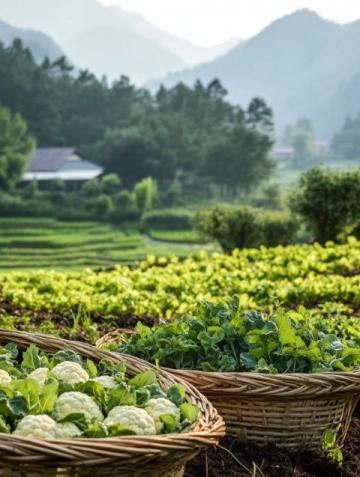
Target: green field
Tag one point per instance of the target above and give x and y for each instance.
(47, 243)
(176, 236)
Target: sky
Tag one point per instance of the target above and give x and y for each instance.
(209, 22)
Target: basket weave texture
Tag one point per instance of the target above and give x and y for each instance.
(289, 410)
(133, 456)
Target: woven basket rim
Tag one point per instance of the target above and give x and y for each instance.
(206, 431)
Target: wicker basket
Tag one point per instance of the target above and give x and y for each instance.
(135, 456)
(289, 410)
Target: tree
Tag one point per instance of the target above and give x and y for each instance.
(301, 137)
(110, 184)
(145, 194)
(91, 188)
(239, 159)
(260, 116)
(328, 201)
(16, 147)
(346, 142)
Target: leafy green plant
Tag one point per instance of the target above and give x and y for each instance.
(221, 338)
(45, 396)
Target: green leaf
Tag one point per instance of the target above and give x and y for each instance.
(91, 369)
(144, 379)
(31, 390)
(14, 408)
(31, 358)
(76, 418)
(66, 355)
(48, 397)
(96, 430)
(287, 333)
(170, 422)
(143, 395)
(189, 412)
(18, 406)
(12, 349)
(118, 430)
(176, 394)
(329, 438)
(121, 397)
(96, 391)
(4, 428)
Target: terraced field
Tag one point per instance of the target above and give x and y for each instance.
(29, 243)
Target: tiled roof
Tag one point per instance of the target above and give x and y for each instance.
(50, 159)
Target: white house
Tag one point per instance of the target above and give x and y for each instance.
(63, 163)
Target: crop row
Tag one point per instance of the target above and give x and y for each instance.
(284, 275)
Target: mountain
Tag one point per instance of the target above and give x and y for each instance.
(41, 45)
(116, 51)
(93, 37)
(191, 54)
(297, 64)
(108, 40)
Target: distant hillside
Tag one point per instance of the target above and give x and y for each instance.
(191, 54)
(116, 51)
(108, 40)
(297, 64)
(345, 102)
(41, 45)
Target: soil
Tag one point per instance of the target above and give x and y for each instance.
(232, 459)
(64, 323)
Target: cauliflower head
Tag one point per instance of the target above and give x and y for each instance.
(37, 427)
(70, 373)
(5, 378)
(107, 381)
(40, 375)
(158, 407)
(74, 403)
(132, 418)
(67, 430)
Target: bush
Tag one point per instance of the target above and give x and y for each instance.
(168, 219)
(246, 227)
(100, 206)
(14, 206)
(279, 228)
(110, 184)
(91, 188)
(328, 201)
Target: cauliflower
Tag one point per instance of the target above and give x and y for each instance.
(77, 403)
(132, 418)
(38, 427)
(158, 407)
(70, 373)
(40, 375)
(107, 381)
(5, 378)
(67, 430)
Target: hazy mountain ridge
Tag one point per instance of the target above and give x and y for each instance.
(40, 45)
(76, 24)
(191, 54)
(297, 64)
(94, 48)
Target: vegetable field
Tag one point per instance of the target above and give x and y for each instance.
(324, 280)
(51, 244)
(321, 283)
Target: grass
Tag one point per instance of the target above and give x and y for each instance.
(176, 236)
(28, 243)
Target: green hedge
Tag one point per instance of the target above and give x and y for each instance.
(176, 219)
(246, 227)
